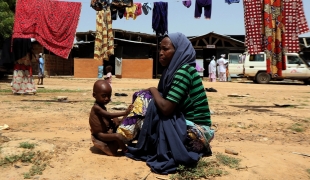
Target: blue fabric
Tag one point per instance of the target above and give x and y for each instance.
(184, 54)
(232, 1)
(41, 64)
(160, 18)
(161, 142)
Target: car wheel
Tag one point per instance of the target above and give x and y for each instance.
(263, 78)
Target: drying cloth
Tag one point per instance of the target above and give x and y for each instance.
(104, 42)
(253, 25)
(139, 9)
(160, 18)
(187, 3)
(295, 24)
(232, 1)
(146, 8)
(52, 23)
(273, 36)
(134, 11)
(206, 5)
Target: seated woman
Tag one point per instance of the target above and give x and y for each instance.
(176, 127)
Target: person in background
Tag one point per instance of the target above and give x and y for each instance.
(212, 70)
(222, 63)
(108, 76)
(40, 69)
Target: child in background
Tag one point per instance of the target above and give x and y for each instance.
(103, 124)
(108, 76)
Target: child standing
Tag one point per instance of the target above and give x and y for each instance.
(103, 124)
(108, 76)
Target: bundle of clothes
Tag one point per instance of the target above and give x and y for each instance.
(122, 8)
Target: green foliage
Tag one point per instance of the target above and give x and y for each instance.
(26, 145)
(35, 170)
(228, 161)
(24, 157)
(7, 8)
(297, 127)
(203, 169)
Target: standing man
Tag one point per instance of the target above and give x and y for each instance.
(41, 69)
(222, 68)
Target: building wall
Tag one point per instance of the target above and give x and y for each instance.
(137, 68)
(86, 67)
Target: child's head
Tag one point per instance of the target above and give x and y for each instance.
(108, 68)
(102, 92)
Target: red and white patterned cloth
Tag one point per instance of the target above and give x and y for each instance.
(52, 23)
(295, 24)
(253, 25)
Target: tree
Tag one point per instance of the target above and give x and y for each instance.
(7, 9)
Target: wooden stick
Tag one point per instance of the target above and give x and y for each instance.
(146, 176)
(308, 155)
(163, 178)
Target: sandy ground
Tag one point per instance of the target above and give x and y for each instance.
(253, 126)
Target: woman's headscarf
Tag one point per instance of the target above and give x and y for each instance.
(184, 54)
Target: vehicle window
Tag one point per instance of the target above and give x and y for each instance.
(257, 57)
(234, 59)
(294, 60)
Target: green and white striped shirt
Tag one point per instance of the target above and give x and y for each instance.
(188, 92)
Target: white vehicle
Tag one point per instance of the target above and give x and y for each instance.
(235, 65)
(255, 68)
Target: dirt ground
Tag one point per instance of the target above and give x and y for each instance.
(264, 135)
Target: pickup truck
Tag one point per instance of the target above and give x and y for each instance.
(254, 68)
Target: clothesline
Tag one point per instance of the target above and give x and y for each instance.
(88, 2)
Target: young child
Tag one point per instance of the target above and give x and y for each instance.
(103, 124)
(108, 76)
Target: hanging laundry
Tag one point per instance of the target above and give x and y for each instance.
(104, 42)
(130, 12)
(206, 5)
(139, 9)
(52, 23)
(187, 3)
(160, 18)
(146, 8)
(117, 11)
(99, 5)
(122, 3)
(232, 1)
(295, 24)
(253, 26)
(134, 11)
(273, 37)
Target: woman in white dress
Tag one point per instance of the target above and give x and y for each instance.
(212, 70)
(222, 68)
